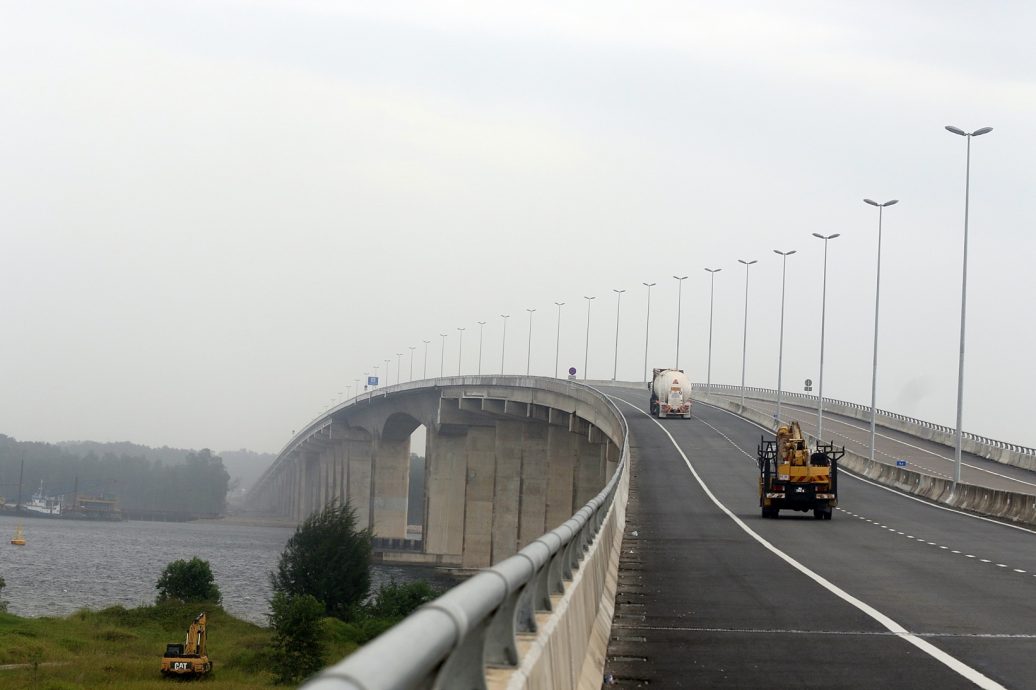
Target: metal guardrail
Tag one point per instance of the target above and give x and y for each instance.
(449, 642)
(1022, 450)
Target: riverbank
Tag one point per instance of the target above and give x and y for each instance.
(122, 648)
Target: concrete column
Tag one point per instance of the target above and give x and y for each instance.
(589, 475)
(532, 513)
(611, 457)
(300, 487)
(391, 483)
(480, 451)
(507, 490)
(445, 470)
(562, 449)
(360, 454)
(342, 465)
(323, 464)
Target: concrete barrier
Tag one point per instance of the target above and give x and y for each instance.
(1009, 506)
(998, 451)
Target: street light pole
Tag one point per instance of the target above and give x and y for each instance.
(647, 328)
(424, 373)
(528, 356)
(823, 324)
(442, 355)
(412, 348)
(387, 371)
(399, 364)
(963, 294)
(877, 297)
(679, 313)
(460, 349)
(586, 352)
(481, 325)
(744, 341)
(503, 342)
(557, 344)
(712, 294)
(780, 348)
(618, 306)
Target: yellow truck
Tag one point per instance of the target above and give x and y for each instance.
(791, 477)
(189, 658)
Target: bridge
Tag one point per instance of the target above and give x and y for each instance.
(662, 572)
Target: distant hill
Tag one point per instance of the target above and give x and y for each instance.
(244, 466)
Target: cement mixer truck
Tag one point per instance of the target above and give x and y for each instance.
(670, 394)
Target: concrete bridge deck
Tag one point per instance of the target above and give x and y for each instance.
(710, 598)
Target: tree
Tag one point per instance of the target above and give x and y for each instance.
(328, 558)
(186, 581)
(399, 600)
(298, 644)
(3, 604)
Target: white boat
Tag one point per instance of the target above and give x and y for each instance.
(43, 504)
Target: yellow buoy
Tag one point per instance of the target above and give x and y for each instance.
(19, 536)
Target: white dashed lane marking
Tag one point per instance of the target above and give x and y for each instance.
(919, 540)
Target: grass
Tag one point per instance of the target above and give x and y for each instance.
(122, 648)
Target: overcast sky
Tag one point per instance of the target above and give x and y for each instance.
(216, 215)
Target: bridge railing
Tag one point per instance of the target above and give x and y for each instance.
(1024, 452)
(450, 642)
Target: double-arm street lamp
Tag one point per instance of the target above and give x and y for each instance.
(481, 325)
(744, 340)
(780, 347)
(679, 313)
(528, 354)
(823, 316)
(503, 342)
(460, 349)
(586, 352)
(963, 293)
(712, 293)
(877, 299)
(618, 305)
(442, 355)
(557, 344)
(647, 328)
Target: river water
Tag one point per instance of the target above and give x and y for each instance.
(69, 565)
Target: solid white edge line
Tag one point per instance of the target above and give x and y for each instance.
(873, 483)
(954, 664)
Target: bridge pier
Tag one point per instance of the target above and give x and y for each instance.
(504, 465)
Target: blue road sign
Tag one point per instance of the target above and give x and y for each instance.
(900, 463)
(372, 380)
(571, 371)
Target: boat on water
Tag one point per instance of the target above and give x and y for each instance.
(43, 504)
(19, 536)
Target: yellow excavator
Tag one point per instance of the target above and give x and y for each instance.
(189, 658)
(793, 478)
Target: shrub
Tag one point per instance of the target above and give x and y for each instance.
(397, 601)
(187, 581)
(298, 644)
(328, 558)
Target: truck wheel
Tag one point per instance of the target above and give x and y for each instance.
(818, 513)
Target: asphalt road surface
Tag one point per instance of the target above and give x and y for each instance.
(926, 457)
(892, 592)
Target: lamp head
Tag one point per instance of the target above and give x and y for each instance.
(956, 130)
(980, 132)
(872, 202)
